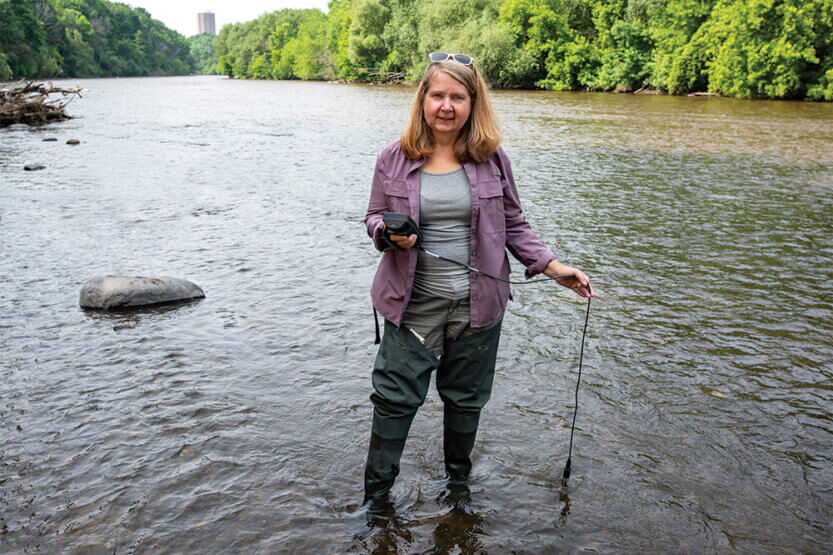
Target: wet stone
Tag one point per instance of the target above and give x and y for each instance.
(73, 142)
(33, 167)
(50, 140)
(119, 292)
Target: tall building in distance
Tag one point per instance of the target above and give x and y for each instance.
(205, 23)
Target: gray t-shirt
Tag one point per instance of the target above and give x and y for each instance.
(445, 224)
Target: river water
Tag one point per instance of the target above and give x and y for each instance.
(240, 422)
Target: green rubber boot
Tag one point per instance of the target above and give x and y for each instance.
(381, 469)
(464, 382)
(457, 449)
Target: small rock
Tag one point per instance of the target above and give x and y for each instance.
(73, 142)
(717, 394)
(33, 167)
(50, 140)
(108, 292)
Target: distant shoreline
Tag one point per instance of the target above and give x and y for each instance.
(645, 91)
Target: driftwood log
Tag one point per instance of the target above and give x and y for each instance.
(29, 103)
(382, 76)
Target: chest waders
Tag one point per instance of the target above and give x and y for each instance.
(401, 377)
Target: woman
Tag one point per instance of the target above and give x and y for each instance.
(450, 175)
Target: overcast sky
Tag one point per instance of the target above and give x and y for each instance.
(181, 15)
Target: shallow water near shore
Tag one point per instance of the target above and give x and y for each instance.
(240, 422)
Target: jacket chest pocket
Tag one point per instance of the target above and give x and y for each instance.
(492, 217)
(398, 195)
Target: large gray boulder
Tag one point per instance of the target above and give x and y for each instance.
(108, 292)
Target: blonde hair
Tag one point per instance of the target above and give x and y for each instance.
(478, 139)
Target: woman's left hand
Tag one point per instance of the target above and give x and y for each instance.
(573, 278)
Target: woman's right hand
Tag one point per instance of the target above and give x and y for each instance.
(402, 241)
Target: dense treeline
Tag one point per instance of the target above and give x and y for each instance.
(743, 48)
(52, 38)
(202, 53)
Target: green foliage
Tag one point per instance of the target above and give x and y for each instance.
(358, 39)
(624, 43)
(5, 70)
(745, 48)
(760, 48)
(560, 35)
(768, 48)
(678, 60)
(202, 54)
(287, 44)
(474, 27)
(308, 48)
(297, 49)
(365, 47)
(401, 38)
(821, 90)
(339, 19)
(79, 57)
(46, 38)
(22, 38)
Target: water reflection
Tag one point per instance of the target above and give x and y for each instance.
(460, 530)
(386, 532)
(456, 528)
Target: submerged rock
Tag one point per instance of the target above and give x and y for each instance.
(73, 142)
(108, 292)
(33, 167)
(50, 140)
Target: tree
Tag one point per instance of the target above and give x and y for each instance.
(22, 39)
(678, 61)
(45, 38)
(365, 46)
(202, 54)
(768, 48)
(339, 19)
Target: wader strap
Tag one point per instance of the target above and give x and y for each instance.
(376, 319)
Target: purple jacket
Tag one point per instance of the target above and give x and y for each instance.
(497, 223)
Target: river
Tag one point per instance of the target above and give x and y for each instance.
(240, 422)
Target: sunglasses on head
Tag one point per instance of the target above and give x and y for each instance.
(443, 56)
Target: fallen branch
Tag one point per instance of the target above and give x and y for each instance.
(29, 103)
(382, 76)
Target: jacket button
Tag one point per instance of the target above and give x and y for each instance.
(474, 252)
(474, 184)
(474, 299)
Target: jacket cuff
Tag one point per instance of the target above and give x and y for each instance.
(539, 266)
(379, 239)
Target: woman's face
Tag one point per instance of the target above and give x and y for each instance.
(447, 106)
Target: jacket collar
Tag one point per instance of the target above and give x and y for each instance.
(468, 166)
(413, 165)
